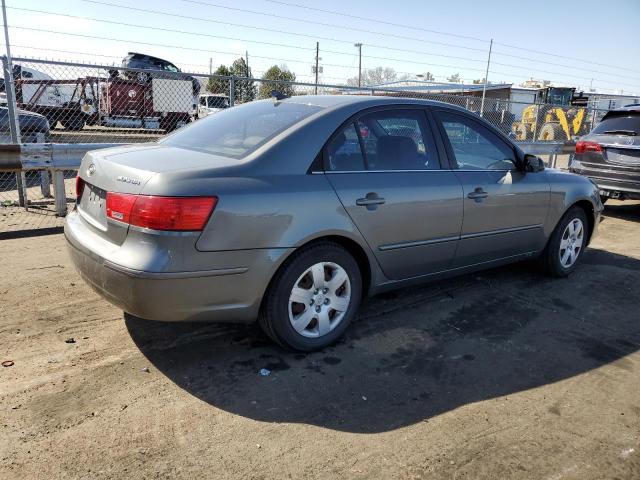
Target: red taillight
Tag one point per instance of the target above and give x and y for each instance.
(119, 206)
(79, 187)
(161, 213)
(584, 146)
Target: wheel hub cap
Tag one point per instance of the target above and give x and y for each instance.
(571, 242)
(319, 299)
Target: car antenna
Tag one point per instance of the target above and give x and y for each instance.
(277, 96)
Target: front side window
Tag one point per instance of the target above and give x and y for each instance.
(474, 146)
(238, 131)
(397, 140)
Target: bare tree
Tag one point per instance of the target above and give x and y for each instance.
(374, 76)
(455, 78)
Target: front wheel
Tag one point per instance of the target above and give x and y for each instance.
(567, 243)
(312, 298)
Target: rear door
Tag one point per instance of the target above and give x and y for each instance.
(504, 208)
(386, 170)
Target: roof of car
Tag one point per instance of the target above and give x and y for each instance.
(628, 108)
(335, 100)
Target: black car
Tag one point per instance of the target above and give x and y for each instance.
(34, 128)
(610, 154)
(161, 69)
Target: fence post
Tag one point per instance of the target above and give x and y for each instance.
(60, 192)
(232, 91)
(14, 125)
(45, 183)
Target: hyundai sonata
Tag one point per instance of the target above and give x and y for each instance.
(288, 212)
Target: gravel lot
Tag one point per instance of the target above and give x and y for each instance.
(505, 374)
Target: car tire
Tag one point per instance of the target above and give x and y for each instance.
(551, 131)
(74, 124)
(322, 276)
(567, 243)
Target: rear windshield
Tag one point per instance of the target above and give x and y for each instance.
(630, 123)
(238, 131)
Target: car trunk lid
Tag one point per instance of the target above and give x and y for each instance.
(127, 170)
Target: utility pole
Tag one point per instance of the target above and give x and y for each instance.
(210, 66)
(317, 60)
(12, 107)
(359, 47)
(246, 62)
(486, 78)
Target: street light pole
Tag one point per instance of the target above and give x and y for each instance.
(359, 47)
(486, 78)
(317, 59)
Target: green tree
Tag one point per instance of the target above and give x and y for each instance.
(245, 90)
(272, 81)
(219, 85)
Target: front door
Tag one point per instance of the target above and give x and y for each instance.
(504, 208)
(386, 171)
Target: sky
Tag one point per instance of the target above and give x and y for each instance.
(577, 43)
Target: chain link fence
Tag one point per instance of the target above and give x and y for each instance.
(85, 103)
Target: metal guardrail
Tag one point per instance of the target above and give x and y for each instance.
(50, 158)
(55, 158)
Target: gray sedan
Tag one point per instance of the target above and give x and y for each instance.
(289, 212)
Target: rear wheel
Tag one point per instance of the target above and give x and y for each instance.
(312, 298)
(74, 124)
(567, 243)
(551, 131)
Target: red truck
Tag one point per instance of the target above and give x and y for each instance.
(165, 103)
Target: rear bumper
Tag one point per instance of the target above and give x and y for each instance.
(618, 182)
(225, 294)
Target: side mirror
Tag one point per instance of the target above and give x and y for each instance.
(532, 163)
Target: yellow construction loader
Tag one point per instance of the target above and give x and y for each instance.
(555, 116)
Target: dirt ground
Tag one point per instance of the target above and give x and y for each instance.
(504, 374)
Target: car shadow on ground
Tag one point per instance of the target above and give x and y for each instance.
(417, 353)
(623, 210)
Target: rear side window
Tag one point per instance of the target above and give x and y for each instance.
(343, 151)
(238, 131)
(619, 124)
(386, 140)
(397, 140)
(474, 146)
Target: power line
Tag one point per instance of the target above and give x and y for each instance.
(184, 32)
(283, 32)
(563, 56)
(421, 29)
(314, 22)
(170, 46)
(367, 31)
(344, 14)
(342, 79)
(305, 62)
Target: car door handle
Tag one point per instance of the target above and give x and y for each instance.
(478, 194)
(371, 201)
